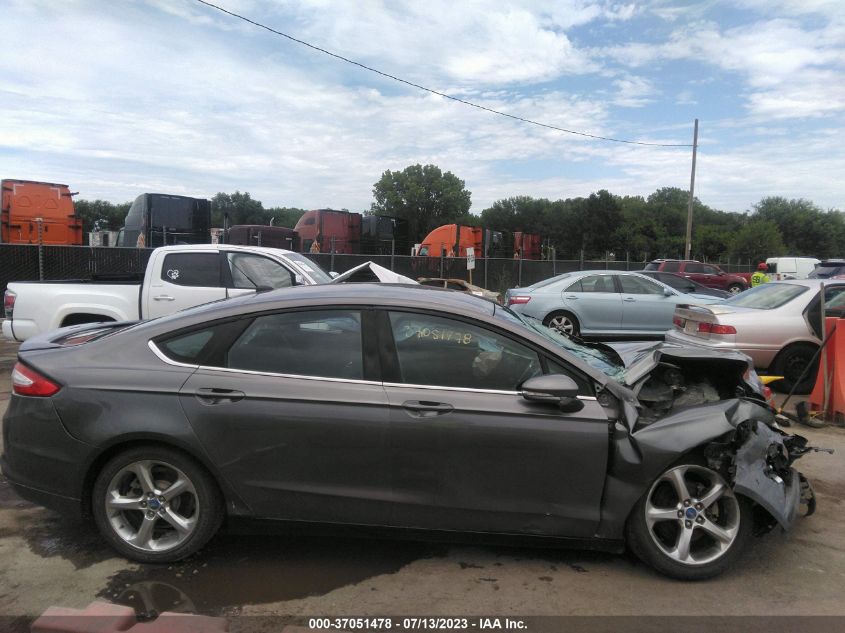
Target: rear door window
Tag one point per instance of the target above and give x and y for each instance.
(593, 283)
(671, 267)
(192, 269)
(323, 343)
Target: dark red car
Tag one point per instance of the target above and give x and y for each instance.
(708, 275)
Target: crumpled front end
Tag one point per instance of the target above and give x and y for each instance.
(738, 438)
(758, 460)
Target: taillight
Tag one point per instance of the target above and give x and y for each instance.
(767, 394)
(28, 382)
(518, 300)
(679, 322)
(9, 303)
(714, 328)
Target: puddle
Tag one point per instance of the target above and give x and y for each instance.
(235, 570)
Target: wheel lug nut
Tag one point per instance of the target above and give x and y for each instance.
(700, 520)
(686, 502)
(680, 514)
(699, 506)
(143, 504)
(151, 514)
(161, 499)
(688, 523)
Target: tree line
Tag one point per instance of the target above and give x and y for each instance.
(635, 227)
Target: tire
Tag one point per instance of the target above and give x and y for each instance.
(129, 512)
(735, 289)
(563, 322)
(657, 535)
(790, 362)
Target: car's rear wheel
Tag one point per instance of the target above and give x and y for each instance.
(735, 289)
(690, 525)
(154, 504)
(791, 363)
(564, 322)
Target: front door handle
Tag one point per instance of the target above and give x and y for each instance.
(164, 298)
(213, 395)
(426, 409)
(570, 297)
(629, 299)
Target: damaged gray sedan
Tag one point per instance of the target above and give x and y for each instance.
(399, 407)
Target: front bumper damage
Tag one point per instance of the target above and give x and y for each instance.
(758, 459)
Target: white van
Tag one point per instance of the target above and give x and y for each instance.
(790, 267)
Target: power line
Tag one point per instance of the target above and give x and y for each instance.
(430, 90)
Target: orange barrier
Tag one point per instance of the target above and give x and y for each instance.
(834, 372)
(102, 617)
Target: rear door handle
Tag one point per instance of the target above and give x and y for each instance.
(213, 395)
(164, 298)
(629, 299)
(426, 409)
(570, 297)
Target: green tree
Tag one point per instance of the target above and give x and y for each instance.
(284, 216)
(106, 215)
(424, 196)
(757, 240)
(520, 213)
(240, 207)
(806, 229)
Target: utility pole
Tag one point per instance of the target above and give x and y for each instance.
(691, 191)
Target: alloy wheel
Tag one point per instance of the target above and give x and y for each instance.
(152, 505)
(562, 324)
(692, 515)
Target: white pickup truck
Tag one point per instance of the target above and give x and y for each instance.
(177, 277)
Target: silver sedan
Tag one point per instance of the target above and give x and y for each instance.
(776, 324)
(602, 302)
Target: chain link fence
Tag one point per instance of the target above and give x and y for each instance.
(30, 262)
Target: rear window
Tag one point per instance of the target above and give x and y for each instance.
(652, 266)
(767, 297)
(672, 267)
(824, 270)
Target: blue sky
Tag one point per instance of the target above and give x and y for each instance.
(120, 98)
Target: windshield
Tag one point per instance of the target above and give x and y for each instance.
(550, 280)
(593, 356)
(767, 297)
(311, 267)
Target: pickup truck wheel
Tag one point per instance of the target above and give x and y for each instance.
(735, 289)
(690, 525)
(156, 505)
(790, 363)
(564, 322)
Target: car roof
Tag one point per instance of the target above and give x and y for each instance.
(356, 294)
(225, 247)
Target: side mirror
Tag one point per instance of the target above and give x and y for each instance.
(334, 274)
(298, 280)
(553, 388)
(668, 292)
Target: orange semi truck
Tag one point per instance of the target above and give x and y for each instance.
(454, 239)
(23, 202)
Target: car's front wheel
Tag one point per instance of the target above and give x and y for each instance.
(690, 525)
(155, 505)
(735, 289)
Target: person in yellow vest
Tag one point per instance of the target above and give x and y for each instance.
(760, 277)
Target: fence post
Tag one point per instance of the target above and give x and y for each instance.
(581, 264)
(627, 260)
(40, 222)
(606, 258)
(392, 254)
(519, 273)
(486, 262)
(554, 262)
(442, 256)
(331, 265)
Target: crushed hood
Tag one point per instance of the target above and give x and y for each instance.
(369, 272)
